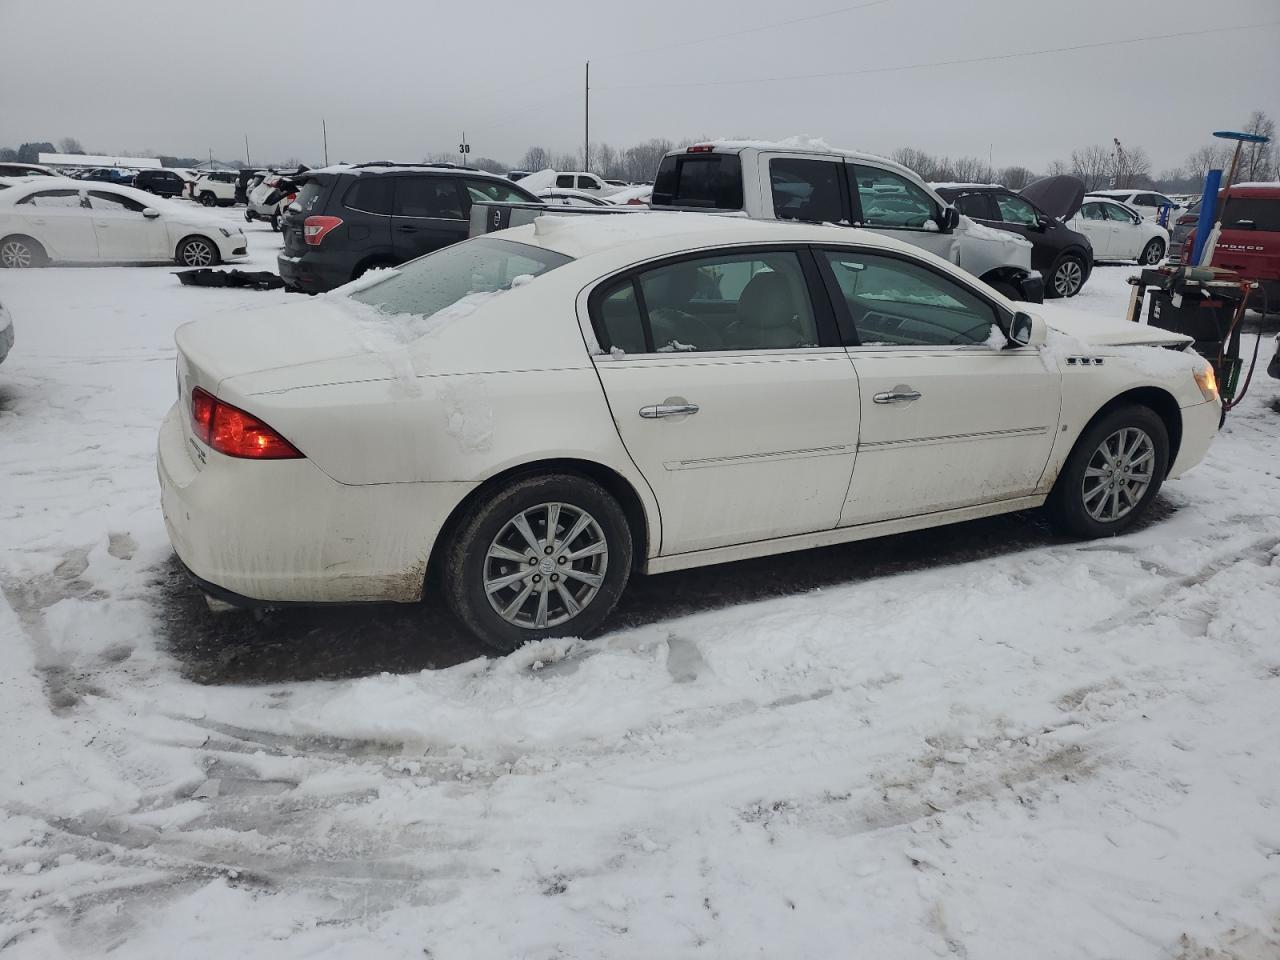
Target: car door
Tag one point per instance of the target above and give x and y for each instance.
(1093, 222)
(949, 417)
(123, 232)
(731, 394)
(1127, 236)
(61, 222)
(429, 213)
(889, 203)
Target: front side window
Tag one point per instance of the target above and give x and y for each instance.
(370, 195)
(1016, 210)
(588, 183)
(806, 190)
(101, 200)
(1120, 214)
(477, 268)
(894, 303)
(54, 198)
(428, 197)
(732, 301)
(889, 200)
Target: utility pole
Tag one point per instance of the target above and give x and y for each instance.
(246, 151)
(324, 130)
(211, 158)
(586, 121)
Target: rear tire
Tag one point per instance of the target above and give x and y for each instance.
(275, 222)
(1152, 253)
(569, 580)
(197, 252)
(19, 252)
(208, 199)
(1066, 276)
(1112, 475)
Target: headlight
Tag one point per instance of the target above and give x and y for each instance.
(1207, 381)
(224, 231)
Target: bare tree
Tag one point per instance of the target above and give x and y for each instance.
(971, 170)
(70, 145)
(1256, 158)
(1092, 165)
(641, 161)
(917, 160)
(1057, 168)
(1131, 168)
(1015, 178)
(535, 159)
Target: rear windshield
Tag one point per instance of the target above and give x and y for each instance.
(482, 266)
(1262, 212)
(310, 195)
(711, 180)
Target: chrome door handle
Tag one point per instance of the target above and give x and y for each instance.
(897, 396)
(658, 410)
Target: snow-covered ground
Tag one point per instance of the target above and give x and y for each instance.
(982, 742)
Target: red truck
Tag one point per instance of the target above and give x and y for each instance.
(1250, 239)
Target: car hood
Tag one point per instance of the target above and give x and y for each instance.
(1059, 197)
(1092, 330)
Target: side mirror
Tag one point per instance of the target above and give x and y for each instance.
(1043, 222)
(151, 213)
(950, 219)
(1026, 330)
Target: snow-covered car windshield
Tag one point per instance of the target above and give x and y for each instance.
(426, 286)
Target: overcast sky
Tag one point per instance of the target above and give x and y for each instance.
(396, 79)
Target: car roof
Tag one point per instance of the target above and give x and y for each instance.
(581, 236)
(969, 186)
(379, 167)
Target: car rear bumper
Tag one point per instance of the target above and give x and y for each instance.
(283, 531)
(311, 272)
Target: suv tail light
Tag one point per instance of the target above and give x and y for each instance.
(315, 229)
(231, 431)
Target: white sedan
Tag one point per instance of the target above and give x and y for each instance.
(57, 220)
(1117, 232)
(519, 422)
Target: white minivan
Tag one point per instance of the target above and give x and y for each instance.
(804, 181)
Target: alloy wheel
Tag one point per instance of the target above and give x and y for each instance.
(1068, 278)
(1118, 474)
(197, 253)
(15, 255)
(546, 565)
(1153, 253)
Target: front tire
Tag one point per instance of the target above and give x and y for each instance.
(1112, 475)
(548, 556)
(1066, 277)
(1152, 253)
(275, 222)
(208, 199)
(18, 253)
(197, 252)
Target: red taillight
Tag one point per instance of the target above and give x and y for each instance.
(230, 430)
(314, 229)
(700, 148)
(289, 198)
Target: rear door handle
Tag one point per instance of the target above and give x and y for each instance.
(407, 228)
(897, 396)
(659, 410)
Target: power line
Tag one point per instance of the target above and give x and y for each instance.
(747, 30)
(940, 63)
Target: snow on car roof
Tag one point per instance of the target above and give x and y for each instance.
(1263, 184)
(1113, 193)
(357, 170)
(579, 236)
(799, 144)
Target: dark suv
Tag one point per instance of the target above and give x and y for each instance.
(348, 219)
(1063, 256)
(163, 183)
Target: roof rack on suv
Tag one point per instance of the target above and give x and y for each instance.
(391, 163)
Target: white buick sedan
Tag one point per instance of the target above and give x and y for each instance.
(57, 220)
(520, 422)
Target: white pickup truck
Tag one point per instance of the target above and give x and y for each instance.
(801, 180)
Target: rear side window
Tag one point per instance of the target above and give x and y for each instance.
(565, 180)
(713, 181)
(1093, 211)
(975, 205)
(429, 197)
(621, 320)
(806, 190)
(1262, 213)
(889, 200)
(1119, 214)
(370, 195)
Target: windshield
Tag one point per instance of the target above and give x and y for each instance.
(486, 265)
